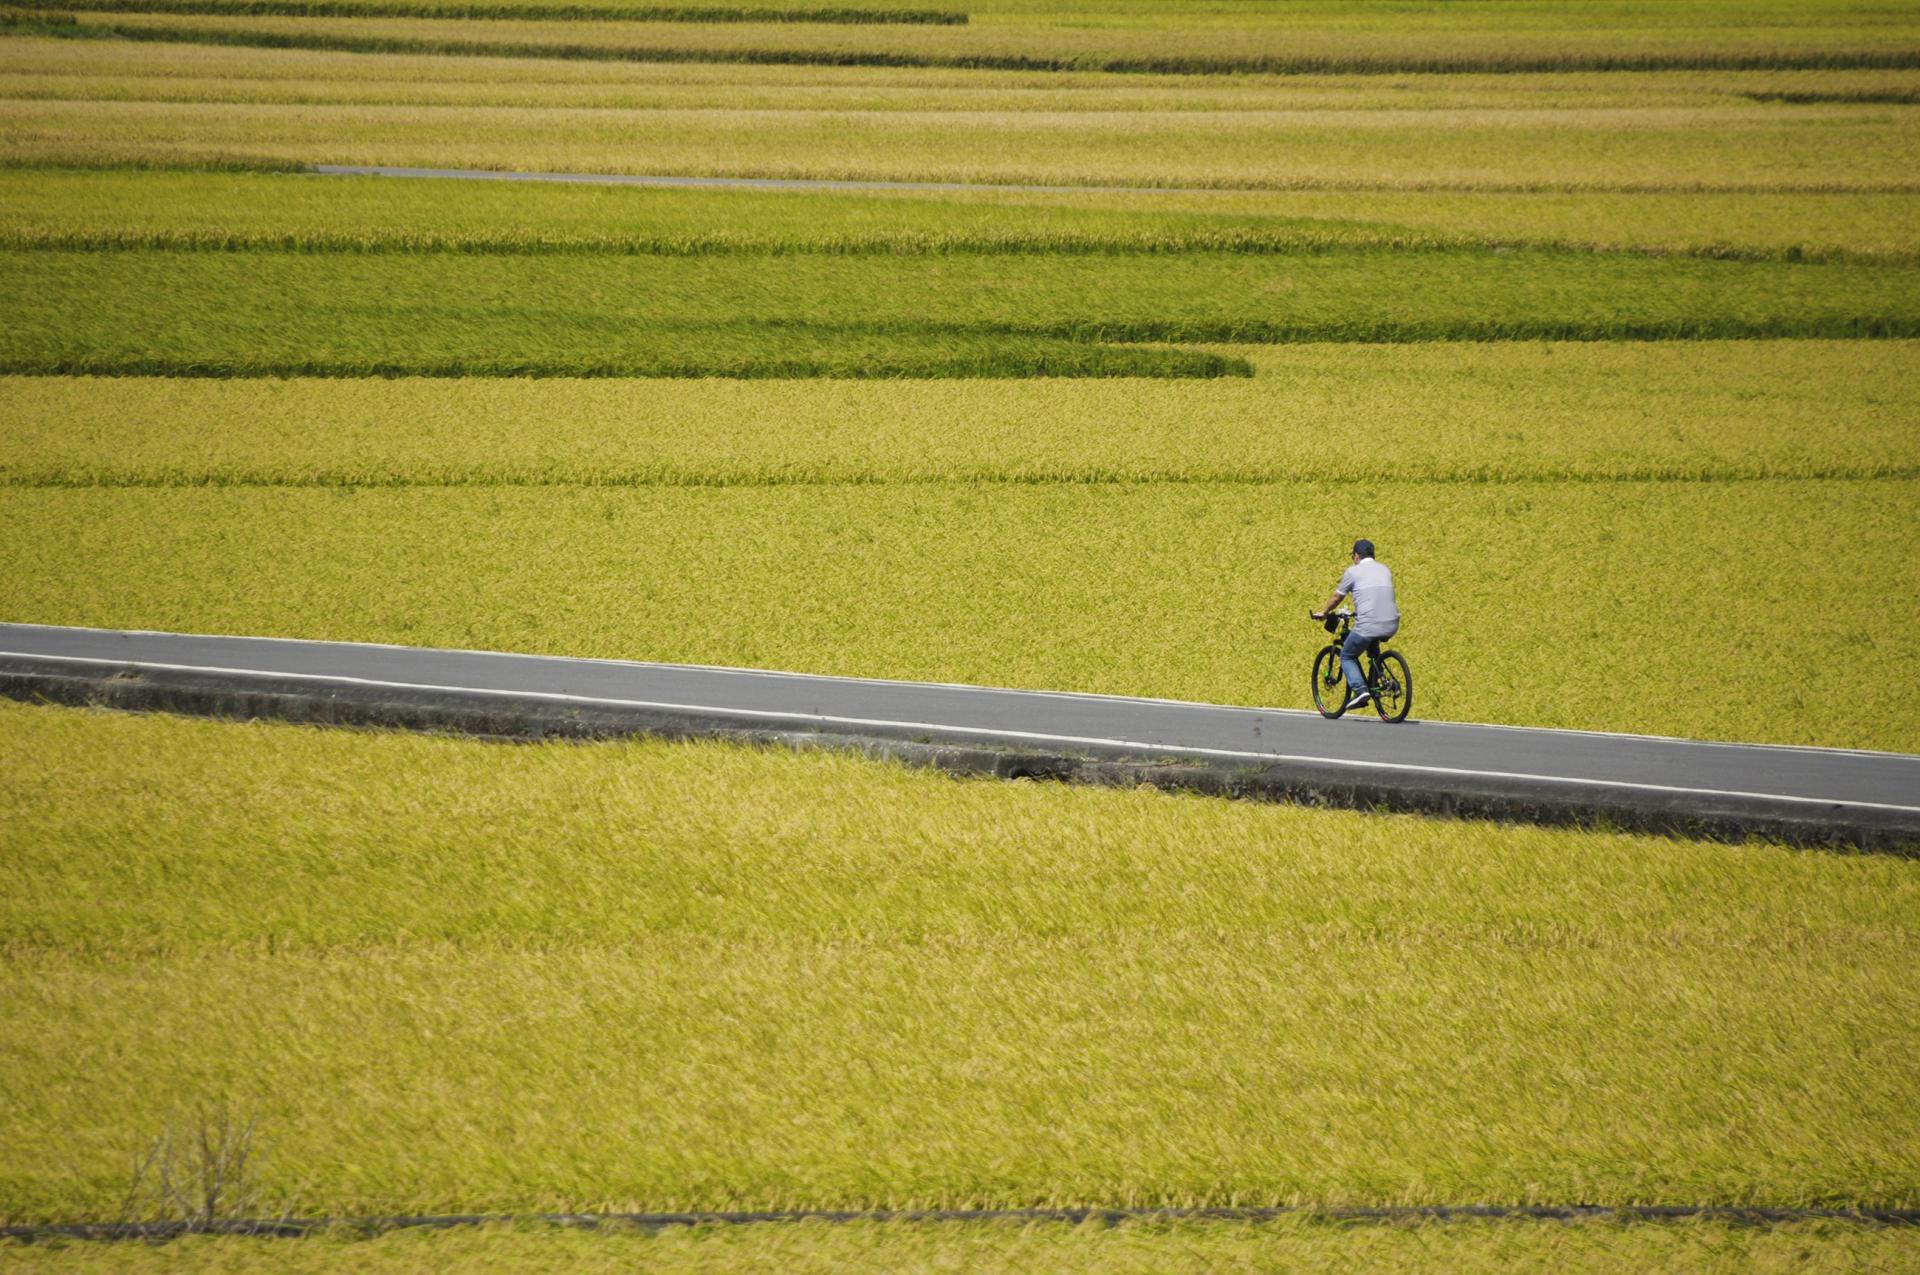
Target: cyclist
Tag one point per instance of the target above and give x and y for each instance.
(1376, 616)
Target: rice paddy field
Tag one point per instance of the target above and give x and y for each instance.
(1602, 320)
(1058, 995)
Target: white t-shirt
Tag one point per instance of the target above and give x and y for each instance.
(1370, 585)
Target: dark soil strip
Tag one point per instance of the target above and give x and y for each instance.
(748, 182)
(1775, 60)
(908, 244)
(533, 12)
(1869, 97)
(295, 1227)
(1079, 349)
(103, 477)
(1012, 363)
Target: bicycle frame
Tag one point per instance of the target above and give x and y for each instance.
(1388, 679)
(1369, 658)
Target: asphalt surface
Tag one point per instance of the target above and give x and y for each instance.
(742, 183)
(1840, 786)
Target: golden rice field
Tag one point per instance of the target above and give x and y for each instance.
(700, 976)
(125, 209)
(63, 69)
(1525, 413)
(57, 68)
(1866, 148)
(1186, 590)
(452, 976)
(1274, 39)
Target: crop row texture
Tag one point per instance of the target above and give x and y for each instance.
(778, 980)
(52, 208)
(1139, 64)
(1498, 413)
(1187, 590)
(281, 314)
(1730, 148)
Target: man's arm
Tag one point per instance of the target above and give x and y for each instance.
(1332, 602)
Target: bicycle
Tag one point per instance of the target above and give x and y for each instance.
(1388, 677)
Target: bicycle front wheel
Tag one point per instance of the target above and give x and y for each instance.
(1329, 683)
(1393, 687)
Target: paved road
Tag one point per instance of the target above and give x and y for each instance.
(746, 183)
(1547, 769)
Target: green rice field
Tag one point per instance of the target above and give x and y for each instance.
(225, 314)
(1602, 320)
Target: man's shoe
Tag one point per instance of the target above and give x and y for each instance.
(1359, 698)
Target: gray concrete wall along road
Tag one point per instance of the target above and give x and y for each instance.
(1801, 795)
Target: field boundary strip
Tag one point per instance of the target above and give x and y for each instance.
(1311, 64)
(293, 1228)
(268, 164)
(1072, 357)
(15, 475)
(905, 244)
(437, 10)
(751, 182)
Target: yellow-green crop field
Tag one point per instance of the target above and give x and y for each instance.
(1271, 38)
(454, 976)
(1735, 146)
(1183, 590)
(1478, 414)
(109, 209)
(1602, 320)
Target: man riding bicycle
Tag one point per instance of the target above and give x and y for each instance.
(1376, 616)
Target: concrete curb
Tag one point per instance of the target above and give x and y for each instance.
(505, 716)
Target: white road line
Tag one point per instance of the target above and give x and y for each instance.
(1084, 696)
(732, 670)
(982, 731)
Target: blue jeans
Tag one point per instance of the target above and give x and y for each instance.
(1350, 656)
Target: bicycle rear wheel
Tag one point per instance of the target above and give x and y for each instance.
(1329, 683)
(1392, 687)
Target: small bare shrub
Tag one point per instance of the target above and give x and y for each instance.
(203, 1167)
